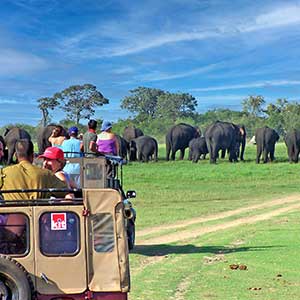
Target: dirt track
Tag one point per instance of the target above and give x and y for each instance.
(182, 233)
(292, 203)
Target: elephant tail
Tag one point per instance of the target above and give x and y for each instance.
(156, 150)
(293, 145)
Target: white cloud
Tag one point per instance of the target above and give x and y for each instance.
(158, 76)
(15, 63)
(123, 70)
(8, 101)
(248, 85)
(125, 41)
(280, 16)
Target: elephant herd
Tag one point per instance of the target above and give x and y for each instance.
(226, 137)
(219, 137)
(134, 144)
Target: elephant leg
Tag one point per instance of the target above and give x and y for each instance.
(146, 157)
(190, 154)
(181, 156)
(223, 153)
(173, 154)
(297, 150)
(258, 154)
(155, 155)
(266, 153)
(232, 155)
(214, 155)
(291, 154)
(140, 156)
(272, 151)
(168, 150)
(196, 157)
(212, 158)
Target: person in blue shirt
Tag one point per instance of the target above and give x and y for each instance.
(71, 148)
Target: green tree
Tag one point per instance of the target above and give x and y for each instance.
(253, 105)
(143, 102)
(79, 101)
(275, 115)
(175, 105)
(290, 115)
(44, 104)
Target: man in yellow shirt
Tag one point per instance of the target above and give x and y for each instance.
(25, 175)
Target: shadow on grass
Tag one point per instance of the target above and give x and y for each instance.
(164, 249)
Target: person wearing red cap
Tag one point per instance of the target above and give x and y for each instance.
(54, 161)
(25, 175)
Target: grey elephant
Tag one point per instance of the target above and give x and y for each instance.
(224, 136)
(266, 139)
(292, 141)
(131, 132)
(178, 138)
(44, 134)
(143, 148)
(240, 145)
(123, 146)
(197, 147)
(11, 135)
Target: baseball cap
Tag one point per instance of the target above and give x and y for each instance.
(53, 153)
(73, 129)
(106, 125)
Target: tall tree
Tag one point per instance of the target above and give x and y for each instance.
(142, 101)
(253, 105)
(175, 105)
(291, 114)
(44, 105)
(275, 115)
(79, 101)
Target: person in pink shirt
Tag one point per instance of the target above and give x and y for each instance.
(107, 142)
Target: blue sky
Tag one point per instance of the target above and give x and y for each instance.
(217, 50)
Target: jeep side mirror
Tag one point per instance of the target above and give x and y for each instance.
(130, 194)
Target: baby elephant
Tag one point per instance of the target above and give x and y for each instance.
(143, 148)
(197, 148)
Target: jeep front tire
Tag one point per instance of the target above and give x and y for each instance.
(15, 283)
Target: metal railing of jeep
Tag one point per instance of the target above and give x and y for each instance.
(102, 171)
(78, 200)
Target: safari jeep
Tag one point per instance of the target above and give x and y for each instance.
(54, 249)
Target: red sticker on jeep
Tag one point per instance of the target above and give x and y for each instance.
(58, 221)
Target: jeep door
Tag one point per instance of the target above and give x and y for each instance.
(60, 253)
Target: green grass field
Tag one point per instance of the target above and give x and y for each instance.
(198, 267)
(172, 191)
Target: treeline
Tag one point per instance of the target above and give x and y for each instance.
(168, 109)
(155, 111)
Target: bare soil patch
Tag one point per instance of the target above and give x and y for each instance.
(189, 234)
(182, 224)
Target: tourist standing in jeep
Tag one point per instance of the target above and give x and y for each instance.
(89, 146)
(25, 175)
